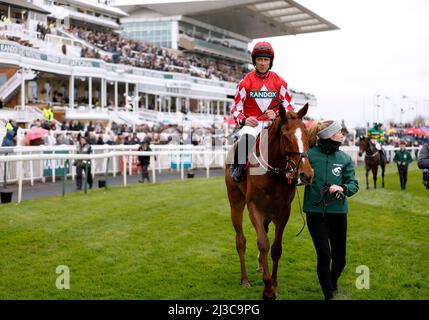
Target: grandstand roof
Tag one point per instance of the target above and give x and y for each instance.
(251, 18)
(100, 7)
(24, 5)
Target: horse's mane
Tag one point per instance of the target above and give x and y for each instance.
(274, 129)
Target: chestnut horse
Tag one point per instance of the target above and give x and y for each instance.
(268, 189)
(373, 159)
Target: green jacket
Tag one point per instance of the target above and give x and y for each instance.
(334, 168)
(403, 157)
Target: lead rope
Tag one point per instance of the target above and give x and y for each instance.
(302, 214)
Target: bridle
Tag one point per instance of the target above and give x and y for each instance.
(369, 148)
(290, 169)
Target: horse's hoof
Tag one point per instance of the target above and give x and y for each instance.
(266, 297)
(259, 269)
(245, 284)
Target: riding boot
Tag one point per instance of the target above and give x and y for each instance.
(241, 153)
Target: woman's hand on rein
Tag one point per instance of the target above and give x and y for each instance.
(334, 188)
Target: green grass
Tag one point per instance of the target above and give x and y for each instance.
(174, 240)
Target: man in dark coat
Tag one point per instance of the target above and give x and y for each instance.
(144, 162)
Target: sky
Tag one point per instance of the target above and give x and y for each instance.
(381, 48)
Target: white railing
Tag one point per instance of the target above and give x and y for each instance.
(24, 166)
(30, 163)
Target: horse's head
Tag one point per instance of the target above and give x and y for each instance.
(362, 145)
(293, 145)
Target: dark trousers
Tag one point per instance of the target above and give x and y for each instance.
(145, 172)
(403, 175)
(329, 234)
(80, 169)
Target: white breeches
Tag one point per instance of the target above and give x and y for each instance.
(254, 131)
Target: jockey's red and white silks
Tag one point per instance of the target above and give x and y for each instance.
(255, 95)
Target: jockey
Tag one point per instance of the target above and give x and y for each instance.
(376, 134)
(256, 103)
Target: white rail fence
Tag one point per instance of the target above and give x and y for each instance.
(38, 163)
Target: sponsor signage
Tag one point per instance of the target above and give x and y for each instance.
(262, 94)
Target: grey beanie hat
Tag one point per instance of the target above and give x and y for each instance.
(329, 131)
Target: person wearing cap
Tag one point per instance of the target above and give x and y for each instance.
(376, 134)
(83, 165)
(256, 103)
(402, 159)
(325, 201)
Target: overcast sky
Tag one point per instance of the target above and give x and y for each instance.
(382, 48)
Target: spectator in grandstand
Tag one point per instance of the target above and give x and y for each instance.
(48, 113)
(9, 139)
(423, 163)
(83, 165)
(100, 139)
(402, 159)
(90, 127)
(253, 109)
(325, 202)
(144, 161)
(90, 137)
(10, 125)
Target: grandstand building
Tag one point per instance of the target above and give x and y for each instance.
(133, 61)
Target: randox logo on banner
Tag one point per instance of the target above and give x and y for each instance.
(262, 94)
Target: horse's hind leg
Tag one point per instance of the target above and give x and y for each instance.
(383, 168)
(237, 202)
(366, 175)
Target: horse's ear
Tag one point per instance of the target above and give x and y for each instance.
(303, 111)
(282, 112)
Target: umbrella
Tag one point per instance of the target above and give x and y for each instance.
(36, 133)
(416, 131)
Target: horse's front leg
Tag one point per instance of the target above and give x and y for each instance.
(374, 175)
(257, 219)
(383, 168)
(276, 248)
(267, 222)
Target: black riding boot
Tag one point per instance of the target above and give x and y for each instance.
(241, 153)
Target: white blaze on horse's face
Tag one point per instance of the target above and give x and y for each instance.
(298, 135)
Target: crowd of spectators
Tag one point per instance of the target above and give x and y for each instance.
(99, 133)
(113, 48)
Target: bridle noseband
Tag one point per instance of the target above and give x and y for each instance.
(290, 169)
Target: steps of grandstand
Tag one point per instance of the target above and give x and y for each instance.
(78, 42)
(11, 86)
